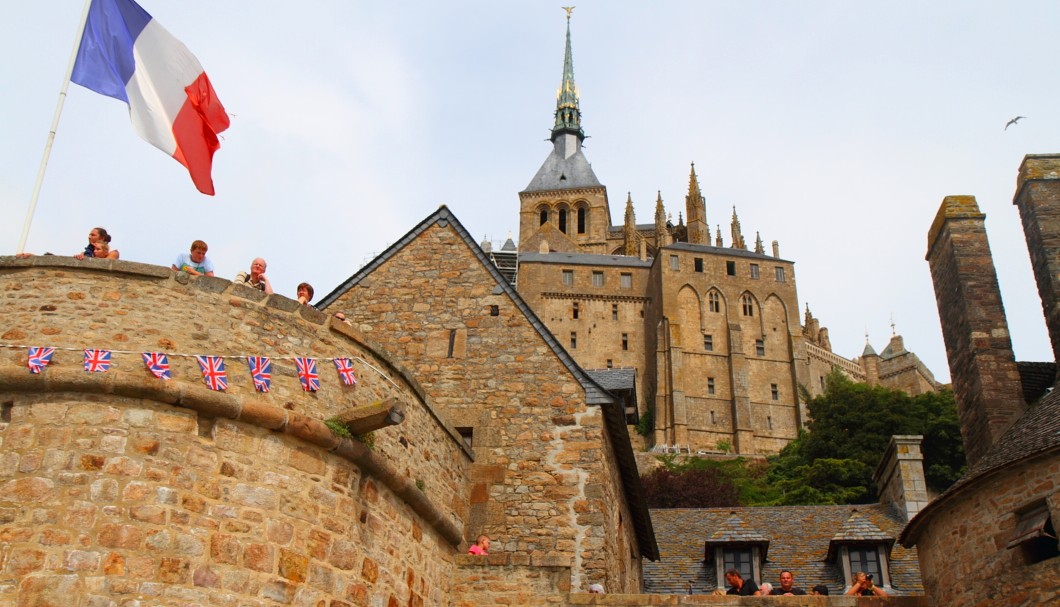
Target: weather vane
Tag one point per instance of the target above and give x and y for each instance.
(569, 10)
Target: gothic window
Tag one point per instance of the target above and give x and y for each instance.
(581, 220)
(568, 278)
(775, 391)
(674, 263)
(563, 220)
(714, 300)
(760, 347)
(574, 311)
(710, 390)
(748, 304)
(598, 279)
(754, 271)
(780, 274)
(626, 280)
(699, 264)
(708, 343)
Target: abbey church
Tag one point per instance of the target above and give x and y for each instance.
(704, 330)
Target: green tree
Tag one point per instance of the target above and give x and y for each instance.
(851, 425)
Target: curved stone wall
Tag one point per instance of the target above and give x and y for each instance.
(119, 487)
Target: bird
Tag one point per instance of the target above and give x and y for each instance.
(1013, 121)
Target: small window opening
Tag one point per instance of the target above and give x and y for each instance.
(452, 342)
(614, 311)
(730, 268)
(574, 311)
(760, 347)
(610, 364)
(774, 389)
(563, 221)
(544, 217)
(495, 310)
(581, 220)
(754, 271)
(699, 264)
(708, 343)
(5, 412)
(468, 434)
(625, 341)
(710, 390)
(573, 340)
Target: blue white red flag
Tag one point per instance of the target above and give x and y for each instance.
(307, 373)
(345, 368)
(97, 361)
(158, 364)
(39, 358)
(127, 55)
(213, 372)
(261, 372)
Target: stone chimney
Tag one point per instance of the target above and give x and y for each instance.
(899, 478)
(1038, 199)
(986, 383)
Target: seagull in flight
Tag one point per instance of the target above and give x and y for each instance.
(1013, 121)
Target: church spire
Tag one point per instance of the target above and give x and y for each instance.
(568, 114)
(698, 232)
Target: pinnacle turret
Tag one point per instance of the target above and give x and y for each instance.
(630, 229)
(696, 208)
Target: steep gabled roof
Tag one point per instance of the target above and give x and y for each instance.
(614, 416)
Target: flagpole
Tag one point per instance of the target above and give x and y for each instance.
(51, 133)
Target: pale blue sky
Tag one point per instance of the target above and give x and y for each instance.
(834, 127)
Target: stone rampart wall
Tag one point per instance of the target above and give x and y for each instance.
(118, 486)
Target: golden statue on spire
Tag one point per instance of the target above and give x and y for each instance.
(569, 10)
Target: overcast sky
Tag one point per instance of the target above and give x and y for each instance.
(835, 128)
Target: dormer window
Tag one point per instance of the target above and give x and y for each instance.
(1035, 534)
(736, 546)
(861, 546)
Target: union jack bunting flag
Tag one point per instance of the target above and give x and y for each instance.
(345, 369)
(307, 373)
(213, 372)
(261, 372)
(39, 358)
(158, 364)
(97, 361)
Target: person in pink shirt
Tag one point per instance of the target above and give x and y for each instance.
(480, 547)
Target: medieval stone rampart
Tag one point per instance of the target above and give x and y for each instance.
(120, 488)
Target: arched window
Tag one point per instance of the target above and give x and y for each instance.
(581, 220)
(714, 301)
(544, 217)
(563, 220)
(748, 304)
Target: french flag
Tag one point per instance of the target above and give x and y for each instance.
(127, 55)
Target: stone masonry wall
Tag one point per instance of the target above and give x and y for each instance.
(963, 554)
(118, 487)
(1038, 200)
(542, 464)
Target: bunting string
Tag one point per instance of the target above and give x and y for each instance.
(157, 365)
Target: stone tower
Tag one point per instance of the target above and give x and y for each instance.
(986, 382)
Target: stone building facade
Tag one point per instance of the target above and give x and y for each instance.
(710, 324)
(992, 537)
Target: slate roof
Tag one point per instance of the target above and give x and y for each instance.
(614, 416)
(562, 172)
(585, 259)
(709, 250)
(1036, 433)
(614, 379)
(799, 539)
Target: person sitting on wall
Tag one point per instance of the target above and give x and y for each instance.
(195, 263)
(787, 586)
(255, 279)
(863, 586)
(305, 293)
(481, 547)
(738, 585)
(95, 236)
